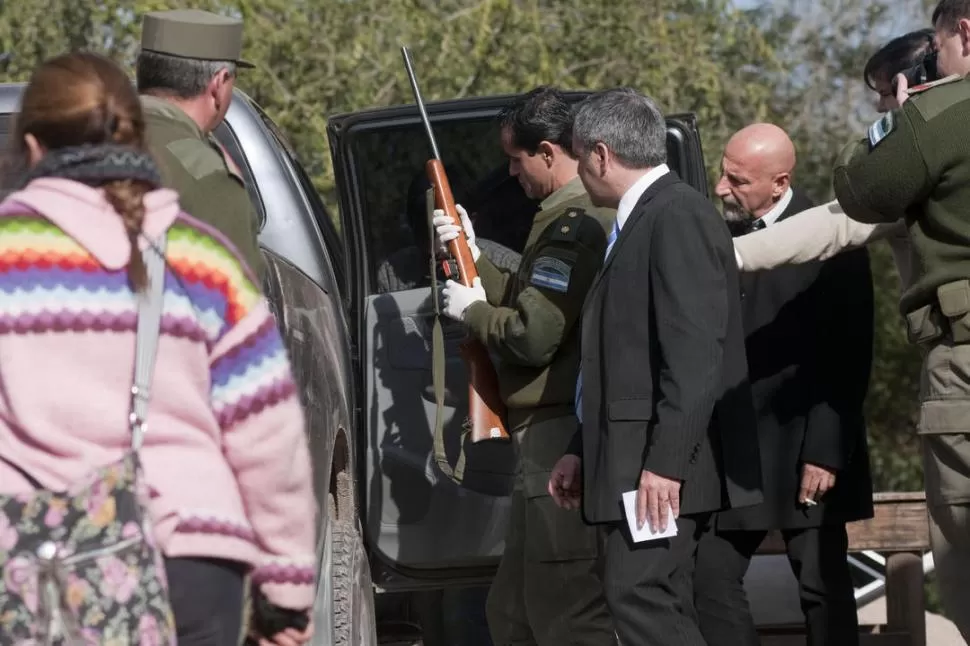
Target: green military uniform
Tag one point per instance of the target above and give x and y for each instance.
(547, 590)
(191, 161)
(915, 164)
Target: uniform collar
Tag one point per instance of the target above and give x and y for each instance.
(567, 191)
(155, 106)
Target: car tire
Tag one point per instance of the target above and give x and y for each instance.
(353, 592)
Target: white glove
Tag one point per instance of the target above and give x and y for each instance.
(457, 297)
(446, 229)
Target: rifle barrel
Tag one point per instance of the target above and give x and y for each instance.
(420, 102)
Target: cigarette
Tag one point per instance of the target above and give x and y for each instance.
(810, 502)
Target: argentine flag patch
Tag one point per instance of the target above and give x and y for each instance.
(551, 273)
(880, 129)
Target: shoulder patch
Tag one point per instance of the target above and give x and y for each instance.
(880, 129)
(550, 272)
(566, 227)
(198, 158)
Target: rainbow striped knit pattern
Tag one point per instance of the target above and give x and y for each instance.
(227, 461)
(49, 283)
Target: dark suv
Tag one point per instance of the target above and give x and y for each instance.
(360, 346)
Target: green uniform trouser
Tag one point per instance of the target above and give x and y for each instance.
(548, 590)
(945, 434)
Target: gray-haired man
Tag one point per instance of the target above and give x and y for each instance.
(666, 409)
(186, 73)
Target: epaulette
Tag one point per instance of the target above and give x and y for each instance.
(922, 87)
(567, 227)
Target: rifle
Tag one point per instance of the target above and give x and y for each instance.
(485, 408)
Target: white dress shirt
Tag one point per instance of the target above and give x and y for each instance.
(635, 192)
(779, 208)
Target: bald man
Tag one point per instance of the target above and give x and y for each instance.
(756, 177)
(808, 341)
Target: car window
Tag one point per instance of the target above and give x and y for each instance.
(331, 235)
(11, 167)
(227, 138)
(391, 166)
(6, 125)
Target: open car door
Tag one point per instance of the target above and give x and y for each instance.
(417, 522)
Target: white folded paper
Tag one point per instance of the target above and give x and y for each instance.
(644, 533)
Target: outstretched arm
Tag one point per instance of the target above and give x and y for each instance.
(814, 234)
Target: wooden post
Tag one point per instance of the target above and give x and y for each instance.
(905, 605)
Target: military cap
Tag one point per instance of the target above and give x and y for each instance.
(190, 33)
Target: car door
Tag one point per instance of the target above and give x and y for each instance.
(416, 521)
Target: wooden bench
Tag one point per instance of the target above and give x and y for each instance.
(899, 530)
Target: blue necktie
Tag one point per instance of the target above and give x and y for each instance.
(579, 379)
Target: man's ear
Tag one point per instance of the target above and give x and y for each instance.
(217, 82)
(780, 184)
(548, 152)
(601, 158)
(963, 28)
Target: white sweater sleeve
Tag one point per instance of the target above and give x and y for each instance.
(814, 234)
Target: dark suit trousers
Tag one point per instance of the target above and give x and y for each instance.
(817, 557)
(649, 585)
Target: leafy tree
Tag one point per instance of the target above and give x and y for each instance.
(797, 64)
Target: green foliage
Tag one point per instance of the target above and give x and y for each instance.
(891, 406)
(799, 67)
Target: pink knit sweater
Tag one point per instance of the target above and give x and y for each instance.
(225, 453)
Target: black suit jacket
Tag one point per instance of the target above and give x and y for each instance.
(809, 348)
(665, 384)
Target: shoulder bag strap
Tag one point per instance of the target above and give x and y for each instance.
(150, 303)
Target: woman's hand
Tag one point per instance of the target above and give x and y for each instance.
(289, 637)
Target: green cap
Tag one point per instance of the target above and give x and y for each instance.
(191, 33)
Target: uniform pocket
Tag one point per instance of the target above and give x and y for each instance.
(554, 534)
(954, 299)
(946, 378)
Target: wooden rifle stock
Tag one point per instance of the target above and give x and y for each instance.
(485, 408)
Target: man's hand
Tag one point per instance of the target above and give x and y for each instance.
(816, 481)
(655, 496)
(902, 89)
(446, 229)
(564, 483)
(457, 297)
